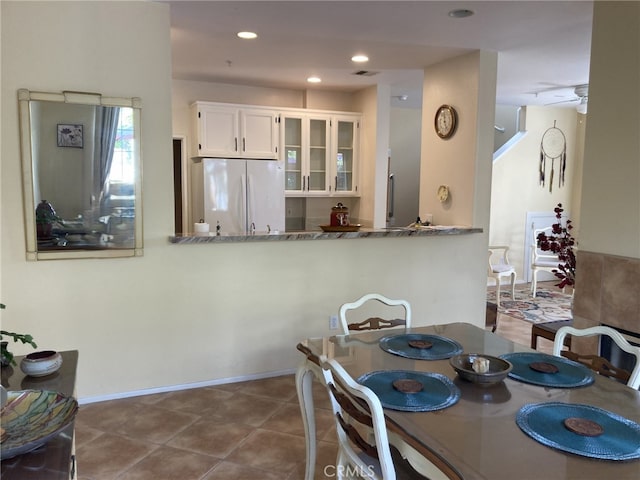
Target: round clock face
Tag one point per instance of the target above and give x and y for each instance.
(445, 121)
(443, 193)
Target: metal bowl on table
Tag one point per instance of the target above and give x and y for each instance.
(480, 369)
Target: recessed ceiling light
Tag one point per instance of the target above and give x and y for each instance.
(247, 35)
(314, 79)
(461, 13)
(359, 58)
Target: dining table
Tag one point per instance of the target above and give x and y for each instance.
(509, 430)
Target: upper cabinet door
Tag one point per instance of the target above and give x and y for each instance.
(218, 131)
(227, 131)
(318, 179)
(259, 131)
(345, 155)
(292, 153)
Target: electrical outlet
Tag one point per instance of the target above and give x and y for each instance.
(333, 322)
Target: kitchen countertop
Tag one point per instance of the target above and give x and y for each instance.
(436, 230)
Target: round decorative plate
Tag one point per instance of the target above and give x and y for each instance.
(408, 345)
(443, 193)
(32, 417)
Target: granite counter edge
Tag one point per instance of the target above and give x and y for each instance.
(317, 235)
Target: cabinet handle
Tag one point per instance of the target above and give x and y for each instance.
(336, 188)
(304, 183)
(236, 139)
(72, 474)
(244, 144)
(309, 182)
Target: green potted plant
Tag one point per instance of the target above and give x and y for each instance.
(45, 218)
(6, 357)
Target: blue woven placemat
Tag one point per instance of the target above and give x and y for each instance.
(438, 391)
(442, 348)
(570, 374)
(544, 422)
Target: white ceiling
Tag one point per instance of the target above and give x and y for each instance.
(543, 47)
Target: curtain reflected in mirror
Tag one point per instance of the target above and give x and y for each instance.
(82, 176)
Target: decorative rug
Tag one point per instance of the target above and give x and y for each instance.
(547, 306)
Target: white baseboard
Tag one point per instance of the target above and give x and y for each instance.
(186, 386)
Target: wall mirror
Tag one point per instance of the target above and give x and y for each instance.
(81, 173)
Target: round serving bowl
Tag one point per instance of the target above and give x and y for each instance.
(497, 370)
(39, 364)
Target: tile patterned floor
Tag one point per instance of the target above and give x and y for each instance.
(242, 431)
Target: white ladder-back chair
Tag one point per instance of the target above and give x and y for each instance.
(597, 363)
(500, 268)
(374, 323)
(364, 450)
(541, 260)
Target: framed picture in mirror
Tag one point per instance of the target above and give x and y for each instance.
(70, 135)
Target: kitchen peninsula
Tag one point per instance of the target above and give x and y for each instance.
(437, 230)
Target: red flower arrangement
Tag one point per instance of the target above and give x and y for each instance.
(561, 242)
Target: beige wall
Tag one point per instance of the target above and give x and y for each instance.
(610, 220)
(463, 162)
(191, 314)
(515, 188)
(608, 262)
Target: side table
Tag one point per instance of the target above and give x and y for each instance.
(55, 460)
(548, 331)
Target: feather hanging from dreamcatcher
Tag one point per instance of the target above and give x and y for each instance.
(563, 167)
(553, 145)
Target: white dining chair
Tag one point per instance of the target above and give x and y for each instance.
(541, 261)
(595, 362)
(374, 323)
(499, 268)
(364, 449)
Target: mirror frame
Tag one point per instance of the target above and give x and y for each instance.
(24, 98)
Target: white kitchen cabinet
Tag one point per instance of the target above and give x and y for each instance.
(234, 131)
(345, 137)
(305, 148)
(320, 152)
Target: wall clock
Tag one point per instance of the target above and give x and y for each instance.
(446, 121)
(443, 193)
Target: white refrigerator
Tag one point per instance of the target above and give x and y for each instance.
(243, 196)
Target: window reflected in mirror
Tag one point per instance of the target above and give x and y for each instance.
(82, 175)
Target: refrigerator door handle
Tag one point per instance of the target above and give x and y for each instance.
(245, 203)
(390, 196)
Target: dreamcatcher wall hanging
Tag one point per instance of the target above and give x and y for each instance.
(553, 146)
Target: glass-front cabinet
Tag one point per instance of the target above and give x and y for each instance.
(320, 153)
(306, 154)
(292, 151)
(345, 155)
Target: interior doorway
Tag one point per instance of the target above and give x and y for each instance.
(180, 187)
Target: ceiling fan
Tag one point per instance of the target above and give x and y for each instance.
(581, 93)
